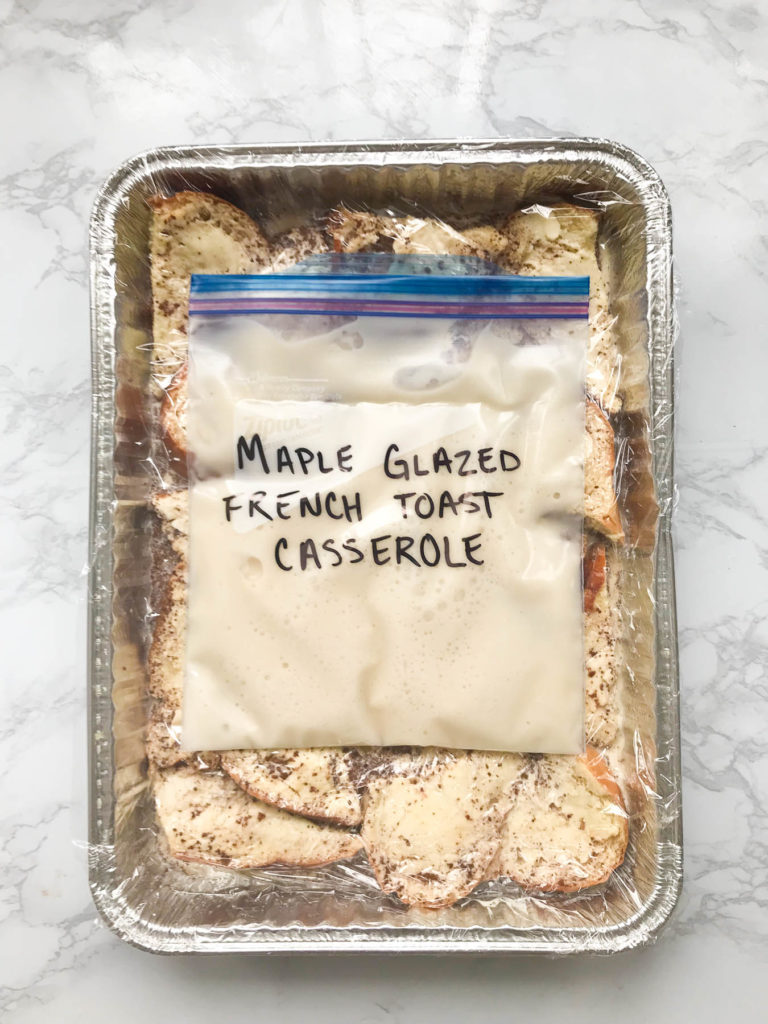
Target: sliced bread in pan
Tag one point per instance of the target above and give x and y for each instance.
(193, 233)
(602, 643)
(556, 241)
(316, 783)
(432, 823)
(206, 818)
(567, 826)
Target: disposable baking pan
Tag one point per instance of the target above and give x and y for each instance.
(145, 900)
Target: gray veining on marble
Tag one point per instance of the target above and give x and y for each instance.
(85, 84)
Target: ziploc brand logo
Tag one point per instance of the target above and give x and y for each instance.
(288, 429)
(301, 437)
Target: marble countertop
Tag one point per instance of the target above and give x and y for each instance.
(86, 84)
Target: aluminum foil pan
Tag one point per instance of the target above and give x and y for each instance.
(146, 899)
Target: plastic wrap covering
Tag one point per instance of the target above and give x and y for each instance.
(375, 847)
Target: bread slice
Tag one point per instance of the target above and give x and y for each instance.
(162, 742)
(559, 241)
(173, 418)
(296, 245)
(432, 823)
(360, 231)
(288, 249)
(567, 828)
(166, 670)
(435, 237)
(193, 233)
(163, 746)
(166, 653)
(593, 571)
(602, 622)
(601, 510)
(206, 818)
(172, 510)
(316, 783)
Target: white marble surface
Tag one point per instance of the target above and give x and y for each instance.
(85, 84)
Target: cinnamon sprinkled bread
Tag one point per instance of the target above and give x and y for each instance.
(193, 233)
(316, 783)
(567, 827)
(432, 823)
(602, 641)
(205, 817)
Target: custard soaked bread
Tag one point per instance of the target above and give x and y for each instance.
(317, 783)
(206, 818)
(432, 823)
(602, 643)
(436, 823)
(567, 826)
